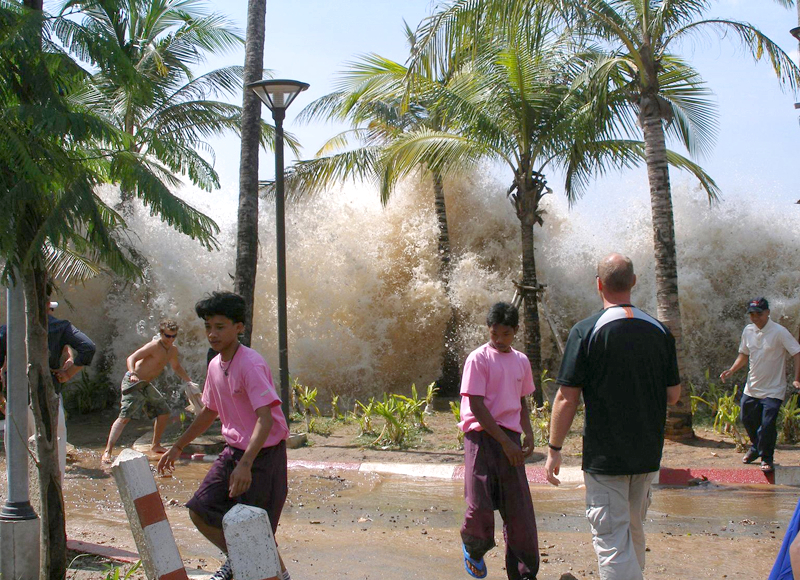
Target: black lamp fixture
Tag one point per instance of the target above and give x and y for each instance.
(278, 94)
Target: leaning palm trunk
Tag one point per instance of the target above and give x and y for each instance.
(679, 422)
(44, 402)
(448, 383)
(247, 235)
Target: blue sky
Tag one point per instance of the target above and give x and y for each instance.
(759, 138)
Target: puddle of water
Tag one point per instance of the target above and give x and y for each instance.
(336, 520)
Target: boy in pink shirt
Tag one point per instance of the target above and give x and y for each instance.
(494, 414)
(239, 390)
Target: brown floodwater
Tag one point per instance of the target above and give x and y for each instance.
(346, 524)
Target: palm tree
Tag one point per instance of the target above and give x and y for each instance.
(247, 230)
(53, 154)
(525, 107)
(646, 87)
(145, 51)
(372, 95)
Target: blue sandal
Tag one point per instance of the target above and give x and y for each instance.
(475, 568)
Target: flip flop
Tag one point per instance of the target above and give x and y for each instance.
(750, 456)
(767, 467)
(475, 568)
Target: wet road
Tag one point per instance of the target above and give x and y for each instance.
(370, 526)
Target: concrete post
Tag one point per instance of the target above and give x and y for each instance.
(151, 530)
(19, 524)
(251, 546)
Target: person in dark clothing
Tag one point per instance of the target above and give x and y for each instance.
(62, 338)
(623, 361)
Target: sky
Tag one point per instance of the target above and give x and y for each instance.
(759, 129)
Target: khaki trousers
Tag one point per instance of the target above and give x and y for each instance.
(616, 507)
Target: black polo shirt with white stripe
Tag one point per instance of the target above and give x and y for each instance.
(623, 359)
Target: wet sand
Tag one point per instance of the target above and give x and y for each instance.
(372, 526)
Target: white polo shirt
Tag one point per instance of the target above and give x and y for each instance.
(766, 349)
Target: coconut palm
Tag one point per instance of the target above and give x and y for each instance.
(145, 51)
(247, 221)
(53, 154)
(659, 95)
(372, 95)
(642, 86)
(526, 107)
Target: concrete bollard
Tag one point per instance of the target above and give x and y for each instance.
(151, 530)
(251, 546)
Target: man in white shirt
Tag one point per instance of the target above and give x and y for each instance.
(764, 345)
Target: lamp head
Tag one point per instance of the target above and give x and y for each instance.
(277, 94)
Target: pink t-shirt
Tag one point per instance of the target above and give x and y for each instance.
(247, 387)
(502, 379)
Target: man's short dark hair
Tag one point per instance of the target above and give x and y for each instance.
(616, 273)
(503, 313)
(226, 304)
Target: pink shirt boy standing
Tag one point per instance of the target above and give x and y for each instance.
(502, 379)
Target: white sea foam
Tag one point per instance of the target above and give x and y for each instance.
(367, 312)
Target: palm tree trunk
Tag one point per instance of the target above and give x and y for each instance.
(679, 421)
(44, 402)
(247, 236)
(533, 334)
(448, 383)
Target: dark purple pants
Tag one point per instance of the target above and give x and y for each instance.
(492, 483)
(267, 491)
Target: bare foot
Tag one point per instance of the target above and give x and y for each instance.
(158, 449)
(107, 459)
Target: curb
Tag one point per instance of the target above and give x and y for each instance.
(783, 475)
(786, 475)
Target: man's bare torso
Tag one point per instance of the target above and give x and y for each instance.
(149, 367)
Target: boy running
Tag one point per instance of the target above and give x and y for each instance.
(494, 413)
(139, 395)
(252, 468)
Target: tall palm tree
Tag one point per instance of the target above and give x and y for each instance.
(650, 91)
(53, 153)
(145, 51)
(247, 221)
(372, 95)
(525, 107)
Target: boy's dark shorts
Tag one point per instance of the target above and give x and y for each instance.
(268, 487)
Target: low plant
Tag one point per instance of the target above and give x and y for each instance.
(365, 417)
(432, 390)
(540, 422)
(455, 409)
(726, 416)
(789, 420)
(709, 396)
(416, 406)
(336, 414)
(116, 572)
(396, 411)
(88, 394)
(308, 401)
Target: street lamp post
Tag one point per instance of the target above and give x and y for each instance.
(278, 95)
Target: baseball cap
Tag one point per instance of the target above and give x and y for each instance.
(757, 305)
(53, 305)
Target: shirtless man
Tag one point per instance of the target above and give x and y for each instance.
(138, 394)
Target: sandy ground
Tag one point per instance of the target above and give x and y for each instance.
(359, 526)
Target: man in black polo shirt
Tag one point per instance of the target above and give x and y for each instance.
(624, 363)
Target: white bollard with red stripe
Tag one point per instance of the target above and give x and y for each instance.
(149, 524)
(251, 545)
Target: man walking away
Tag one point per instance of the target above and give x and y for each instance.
(624, 363)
